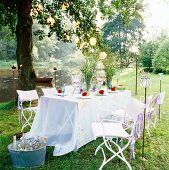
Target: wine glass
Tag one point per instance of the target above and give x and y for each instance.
(75, 83)
(63, 89)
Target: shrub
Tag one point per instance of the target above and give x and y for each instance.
(161, 59)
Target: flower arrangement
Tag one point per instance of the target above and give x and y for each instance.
(110, 65)
(88, 70)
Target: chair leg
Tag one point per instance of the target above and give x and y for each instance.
(27, 123)
(20, 112)
(119, 154)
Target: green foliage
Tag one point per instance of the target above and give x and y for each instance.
(65, 12)
(121, 37)
(7, 45)
(161, 59)
(147, 52)
(110, 63)
(89, 68)
(127, 9)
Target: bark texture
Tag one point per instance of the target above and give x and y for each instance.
(24, 45)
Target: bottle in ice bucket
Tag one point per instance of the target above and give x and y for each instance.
(14, 144)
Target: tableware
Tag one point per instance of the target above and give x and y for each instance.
(98, 94)
(84, 97)
(61, 94)
(113, 91)
(121, 90)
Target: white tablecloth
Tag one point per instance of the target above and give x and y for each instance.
(66, 121)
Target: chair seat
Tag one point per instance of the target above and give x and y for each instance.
(119, 112)
(31, 109)
(109, 130)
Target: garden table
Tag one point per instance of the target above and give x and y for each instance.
(67, 121)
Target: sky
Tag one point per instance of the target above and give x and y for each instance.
(156, 16)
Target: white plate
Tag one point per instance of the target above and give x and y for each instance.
(101, 94)
(122, 90)
(60, 94)
(116, 91)
(84, 97)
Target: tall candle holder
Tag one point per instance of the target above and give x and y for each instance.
(55, 69)
(19, 75)
(145, 82)
(160, 77)
(13, 77)
(117, 77)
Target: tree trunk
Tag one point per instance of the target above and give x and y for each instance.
(27, 76)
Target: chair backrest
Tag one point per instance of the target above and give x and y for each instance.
(28, 95)
(49, 91)
(134, 108)
(158, 99)
(161, 97)
(148, 102)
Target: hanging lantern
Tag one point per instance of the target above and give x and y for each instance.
(102, 55)
(83, 44)
(77, 40)
(34, 12)
(50, 21)
(68, 37)
(93, 41)
(75, 24)
(64, 6)
(39, 7)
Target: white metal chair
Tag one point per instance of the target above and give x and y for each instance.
(49, 91)
(109, 130)
(26, 96)
(156, 101)
(127, 114)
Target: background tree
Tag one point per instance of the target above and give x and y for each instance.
(121, 37)
(147, 52)
(7, 45)
(65, 18)
(161, 58)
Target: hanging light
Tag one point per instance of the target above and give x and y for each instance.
(68, 37)
(39, 7)
(50, 21)
(75, 24)
(77, 40)
(102, 55)
(64, 6)
(83, 44)
(93, 41)
(34, 12)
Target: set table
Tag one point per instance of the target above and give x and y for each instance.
(67, 121)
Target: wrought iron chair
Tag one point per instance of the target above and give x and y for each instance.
(26, 97)
(109, 130)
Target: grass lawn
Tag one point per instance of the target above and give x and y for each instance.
(156, 146)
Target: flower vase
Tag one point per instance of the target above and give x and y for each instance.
(88, 86)
(109, 83)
